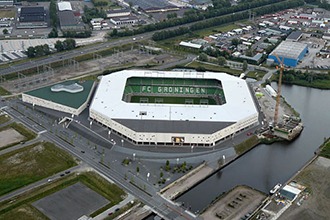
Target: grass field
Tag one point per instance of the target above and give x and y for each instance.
(173, 100)
(26, 212)
(23, 202)
(7, 13)
(4, 119)
(30, 164)
(214, 68)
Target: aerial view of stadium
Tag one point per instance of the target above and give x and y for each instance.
(174, 108)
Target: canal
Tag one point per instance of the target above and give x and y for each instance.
(266, 165)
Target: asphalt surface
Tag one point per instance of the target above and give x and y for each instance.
(164, 208)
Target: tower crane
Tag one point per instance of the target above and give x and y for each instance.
(278, 97)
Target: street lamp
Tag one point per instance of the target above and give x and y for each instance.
(192, 148)
(148, 174)
(109, 133)
(90, 124)
(122, 142)
(177, 161)
(133, 156)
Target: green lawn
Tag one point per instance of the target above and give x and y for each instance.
(30, 164)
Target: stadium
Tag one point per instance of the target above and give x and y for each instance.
(174, 108)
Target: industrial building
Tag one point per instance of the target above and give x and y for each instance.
(122, 21)
(6, 3)
(145, 108)
(69, 97)
(289, 52)
(32, 17)
(118, 13)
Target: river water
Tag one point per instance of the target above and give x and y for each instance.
(266, 165)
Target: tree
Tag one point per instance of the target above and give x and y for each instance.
(235, 41)
(245, 65)
(137, 169)
(59, 46)
(31, 52)
(5, 31)
(203, 57)
(222, 61)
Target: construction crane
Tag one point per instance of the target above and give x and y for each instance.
(278, 97)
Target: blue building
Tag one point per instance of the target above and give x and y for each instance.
(289, 52)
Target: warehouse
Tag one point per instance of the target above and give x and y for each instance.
(289, 52)
(32, 17)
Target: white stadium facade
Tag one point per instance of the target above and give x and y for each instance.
(158, 122)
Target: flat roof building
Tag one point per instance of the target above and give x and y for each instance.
(32, 17)
(294, 36)
(64, 6)
(6, 3)
(118, 13)
(69, 97)
(290, 52)
(120, 21)
(69, 22)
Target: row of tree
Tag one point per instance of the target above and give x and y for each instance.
(196, 15)
(43, 50)
(67, 44)
(38, 51)
(53, 19)
(161, 35)
(291, 75)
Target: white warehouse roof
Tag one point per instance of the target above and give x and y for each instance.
(289, 49)
(108, 99)
(64, 6)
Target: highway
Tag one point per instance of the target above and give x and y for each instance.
(166, 209)
(71, 54)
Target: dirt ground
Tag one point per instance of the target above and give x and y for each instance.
(95, 66)
(10, 136)
(236, 204)
(315, 205)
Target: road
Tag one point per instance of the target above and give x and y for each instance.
(164, 208)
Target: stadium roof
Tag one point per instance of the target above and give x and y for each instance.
(289, 49)
(64, 6)
(74, 100)
(108, 102)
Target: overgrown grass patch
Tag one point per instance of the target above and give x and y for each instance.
(26, 212)
(4, 92)
(108, 190)
(30, 164)
(4, 119)
(325, 152)
(246, 145)
(215, 68)
(256, 74)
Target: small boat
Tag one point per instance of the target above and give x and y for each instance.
(275, 189)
